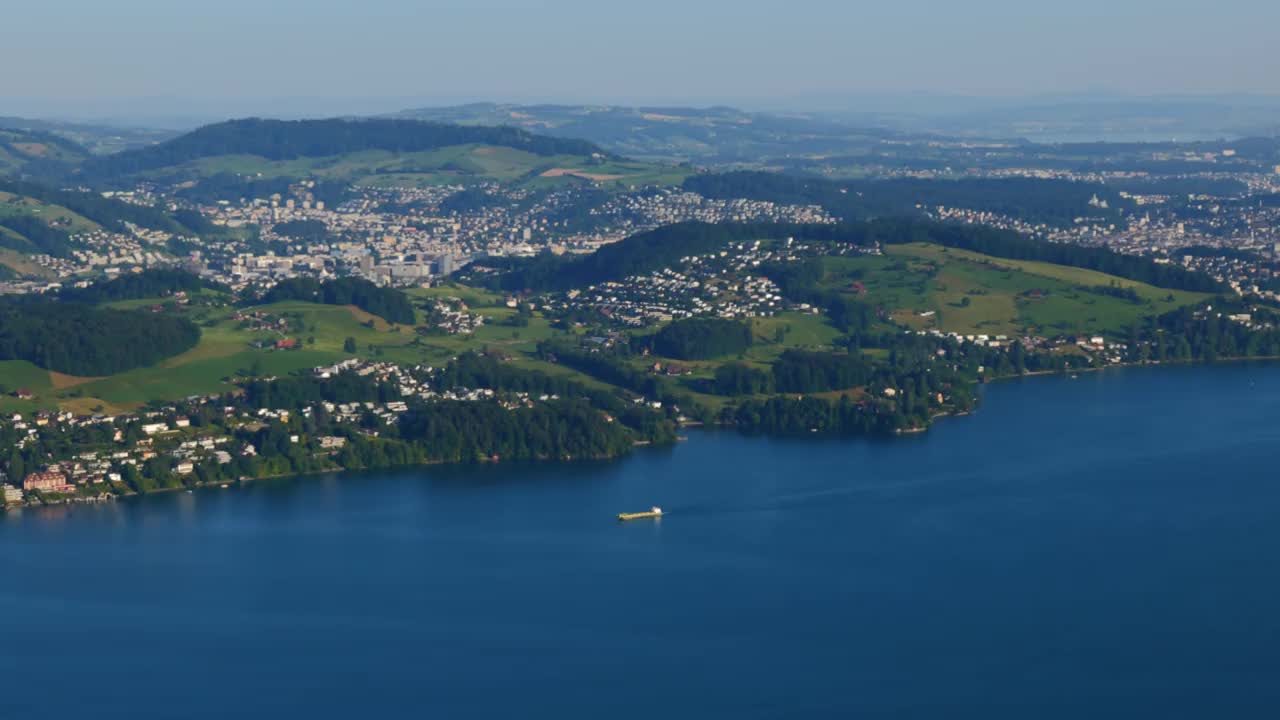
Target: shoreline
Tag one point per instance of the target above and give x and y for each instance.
(240, 482)
(103, 498)
(1128, 365)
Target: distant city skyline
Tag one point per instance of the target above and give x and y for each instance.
(76, 58)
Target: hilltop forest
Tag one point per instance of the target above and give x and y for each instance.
(292, 139)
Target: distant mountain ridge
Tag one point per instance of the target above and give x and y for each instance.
(92, 139)
(292, 139)
(716, 134)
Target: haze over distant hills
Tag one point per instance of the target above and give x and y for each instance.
(1085, 118)
(759, 134)
(725, 135)
(700, 135)
(366, 152)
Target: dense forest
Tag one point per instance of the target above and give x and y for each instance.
(83, 340)
(902, 391)
(782, 415)
(1054, 202)
(292, 139)
(554, 430)
(469, 200)
(152, 283)
(699, 339)
(811, 372)
(307, 231)
(736, 378)
(387, 303)
(1207, 332)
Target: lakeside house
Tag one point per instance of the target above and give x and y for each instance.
(46, 482)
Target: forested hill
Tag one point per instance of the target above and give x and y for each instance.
(153, 283)
(89, 341)
(387, 303)
(660, 248)
(293, 139)
(1053, 202)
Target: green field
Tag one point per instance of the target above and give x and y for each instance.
(969, 293)
(14, 205)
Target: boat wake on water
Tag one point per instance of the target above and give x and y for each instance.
(811, 499)
(800, 500)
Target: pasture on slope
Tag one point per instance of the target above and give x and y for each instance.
(1006, 297)
(12, 205)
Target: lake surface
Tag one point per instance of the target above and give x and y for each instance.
(1100, 547)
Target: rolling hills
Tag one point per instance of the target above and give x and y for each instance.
(94, 139)
(36, 218)
(33, 153)
(369, 152)
(715, 135)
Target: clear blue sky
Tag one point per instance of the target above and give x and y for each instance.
(378, 54)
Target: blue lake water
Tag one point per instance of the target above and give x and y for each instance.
(1100, 547)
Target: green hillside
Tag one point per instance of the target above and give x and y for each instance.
(37, 218)
(914, 286)
(37, 153)
(925, 286)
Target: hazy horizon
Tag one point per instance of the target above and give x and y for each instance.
(179, 113)
(136, 58)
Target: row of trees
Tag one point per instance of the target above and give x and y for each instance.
(782, 415)
(307, 231)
